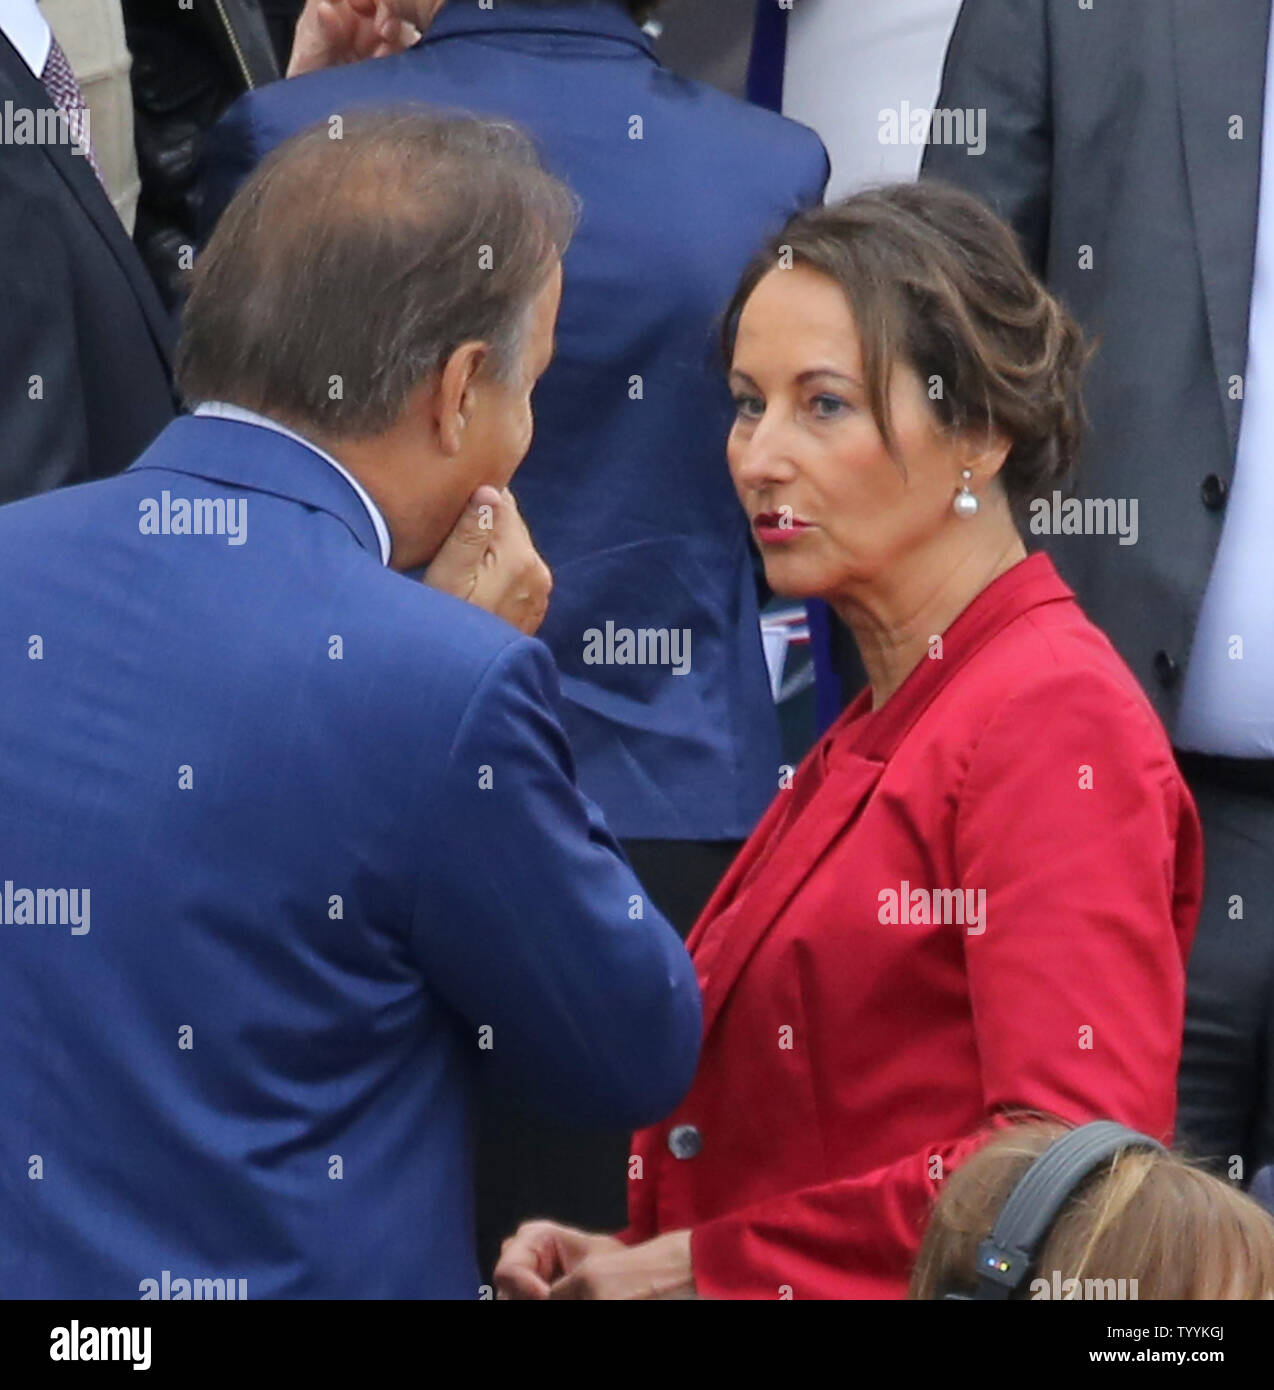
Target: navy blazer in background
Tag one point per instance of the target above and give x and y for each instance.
(334, 852)
(629, 500)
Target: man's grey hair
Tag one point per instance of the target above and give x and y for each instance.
(359, 256)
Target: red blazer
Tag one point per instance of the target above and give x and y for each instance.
(856, 1050)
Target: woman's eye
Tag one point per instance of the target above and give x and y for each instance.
(828, 407)
(749, 407)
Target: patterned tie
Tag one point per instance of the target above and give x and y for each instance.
(59, 81)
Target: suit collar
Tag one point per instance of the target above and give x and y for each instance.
(784, 854)
(1220, 72)
(224, 410)
(77, 173)
(605, 19)
(246, 456)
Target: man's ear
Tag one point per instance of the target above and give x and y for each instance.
(453, 400)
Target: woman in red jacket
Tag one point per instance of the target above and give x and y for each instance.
(977, 895)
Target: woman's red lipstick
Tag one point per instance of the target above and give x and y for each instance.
(777, 528)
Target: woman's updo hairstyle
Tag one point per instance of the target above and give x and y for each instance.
(936, 281)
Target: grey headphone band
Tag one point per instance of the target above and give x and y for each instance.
(1006, 1258)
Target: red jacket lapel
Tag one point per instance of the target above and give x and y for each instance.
(721, 954)
(737, 918)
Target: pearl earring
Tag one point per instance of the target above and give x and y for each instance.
(965, 504)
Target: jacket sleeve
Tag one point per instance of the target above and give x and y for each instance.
(998, 62)
(1088, 848)
(532, 928)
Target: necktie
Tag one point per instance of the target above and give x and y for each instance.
(59, 81)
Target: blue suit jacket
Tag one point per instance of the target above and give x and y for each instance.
(334, 851)
(629, 499)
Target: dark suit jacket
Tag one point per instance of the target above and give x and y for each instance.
(378, 873)
(626, 488)
(84, 340)
(1111, 128)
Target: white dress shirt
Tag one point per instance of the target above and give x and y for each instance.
(223, 410)
(849, 60)
(28, 31)
(1227, 705)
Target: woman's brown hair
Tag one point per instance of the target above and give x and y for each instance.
(937, 282)
(1150, 1218)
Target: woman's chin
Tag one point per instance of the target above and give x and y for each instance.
(788, 581)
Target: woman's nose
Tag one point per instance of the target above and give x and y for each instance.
(764, 456)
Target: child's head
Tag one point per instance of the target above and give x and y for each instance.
(1145, 1215)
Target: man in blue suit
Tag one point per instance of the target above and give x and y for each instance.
(625, 488)
(654, 616)
(290, 842)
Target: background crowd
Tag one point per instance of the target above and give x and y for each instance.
(1113, 344)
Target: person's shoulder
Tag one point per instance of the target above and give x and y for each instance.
(1053, 669)
(1070, 649)
(427, 663)
(765, 133)
(410, 623)
(30, 521)
(444, 670)
(321, 94)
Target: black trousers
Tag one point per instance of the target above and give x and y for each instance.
(1226, 1091)
(528, 1168)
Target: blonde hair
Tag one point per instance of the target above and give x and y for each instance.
(1150, 1218)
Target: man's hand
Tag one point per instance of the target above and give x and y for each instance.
(545, 1260)
(490, 560)
(331, 32)
(542, 1252)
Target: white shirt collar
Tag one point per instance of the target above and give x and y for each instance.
(223, 410)
(28, 31)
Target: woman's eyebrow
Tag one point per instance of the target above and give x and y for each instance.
(805, 376)
(828, 371)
